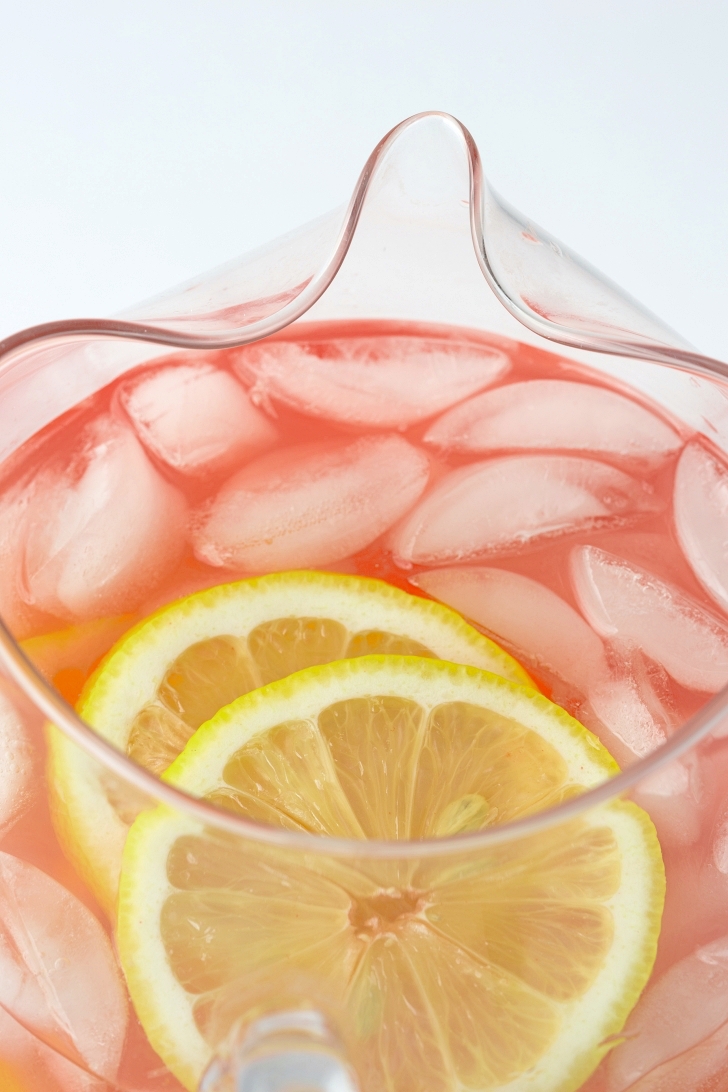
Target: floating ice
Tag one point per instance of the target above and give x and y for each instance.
(195, 418)
(501, 504)
(535, 622)
(36, 1066)
(720, 847)
(311, 504)
(17, 762)
(620, 600)
(699, 1069)
(383, 382)
(14, 504)
(701, 518)
(16, 1044)
(673, 798)
(684, 1008)
(58, 973)
(555, 414)
(102, 532)
(721, 731)
(67, 1077)
(612, 692)
(627, 712)
(696, 907)
(714, 764)
(631, 710)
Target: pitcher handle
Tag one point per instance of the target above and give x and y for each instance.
(294, 1051)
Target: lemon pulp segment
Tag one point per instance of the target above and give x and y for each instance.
(499, 967)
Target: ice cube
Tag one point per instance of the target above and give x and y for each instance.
(195, 418)
(16, 1044)
(13, 508)
(621, 600)
(58, 974)
(67, 1077)
(682, 1009)
(720, 847)
(632, 710)
(633, 729)
(540, 627)
(102, 532)
(701, 518)
(36, 1066)
(15, 501)
(17, 763)
(721, 731)
(696, 904)
(311, 504)
(673, 799)
(499, 505)
(383, 382)
(714, 763)
(556, 414)
(700, 1069)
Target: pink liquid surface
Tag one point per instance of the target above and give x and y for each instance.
(600, 547)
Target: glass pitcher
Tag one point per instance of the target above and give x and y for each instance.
(413, 428)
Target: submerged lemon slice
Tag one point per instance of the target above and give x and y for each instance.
(176, 669)
(67, 657)
(499, 967)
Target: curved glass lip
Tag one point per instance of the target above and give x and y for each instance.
(22, 671)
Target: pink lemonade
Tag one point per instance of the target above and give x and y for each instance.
(563, 515)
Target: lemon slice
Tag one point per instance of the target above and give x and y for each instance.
(499, 967)
(177, 668)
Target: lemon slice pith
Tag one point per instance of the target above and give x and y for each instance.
(504, 967)
(174, 670)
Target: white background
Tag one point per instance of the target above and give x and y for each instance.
(144, 142)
